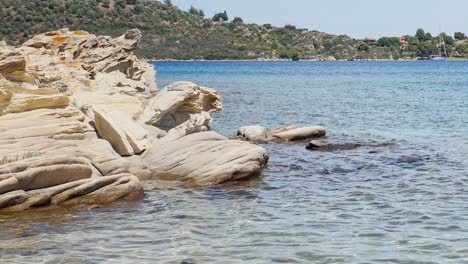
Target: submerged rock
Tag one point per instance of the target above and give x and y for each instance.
(316, 144)
(322, 146)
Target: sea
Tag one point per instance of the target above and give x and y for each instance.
(400, 197)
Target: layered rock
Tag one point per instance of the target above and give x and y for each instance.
(125, 135)
(96, 70)
(81, 123)
(178, 102)
(205, 158)
(49, 149)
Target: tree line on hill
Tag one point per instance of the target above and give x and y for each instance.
(171, 33)
(423, 44)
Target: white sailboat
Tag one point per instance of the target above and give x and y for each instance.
(442, 56)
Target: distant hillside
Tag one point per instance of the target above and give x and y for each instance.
(170, 33)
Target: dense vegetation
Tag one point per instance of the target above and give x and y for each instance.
(424, 44)
(170, 33)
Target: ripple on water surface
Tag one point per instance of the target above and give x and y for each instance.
(402, 202)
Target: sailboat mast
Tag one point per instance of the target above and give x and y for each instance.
(445, 49)
(442, 45)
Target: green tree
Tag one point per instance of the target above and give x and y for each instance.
(462, 49)
(196, 12)
(413, 43)
(420, 35)
(238, 20)
(363, 47)
(459, 36)
(428, 36)
(412, 40)
(193, 11)
(217, 17)
(221, 17)
(426, 49)
(448, 39)
(388, 42)
(168, 2)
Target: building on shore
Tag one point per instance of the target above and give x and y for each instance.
(369, 40)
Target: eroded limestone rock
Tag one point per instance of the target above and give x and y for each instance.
(253, 133)
(73, 106)
(205, 158)
(125, 135)
(50, 153)
(293, 133)
(12, 62)
(174, 104)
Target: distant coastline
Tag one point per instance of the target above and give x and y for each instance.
(216, 38)
(283, 60)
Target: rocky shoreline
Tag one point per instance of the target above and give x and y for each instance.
(82, 123)
(325, 59)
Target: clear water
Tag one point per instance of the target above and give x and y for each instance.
(405, 202)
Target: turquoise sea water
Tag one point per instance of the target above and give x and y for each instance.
(403, 202)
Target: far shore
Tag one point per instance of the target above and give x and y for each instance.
(284, 60)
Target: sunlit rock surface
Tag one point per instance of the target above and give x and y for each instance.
(82, 123)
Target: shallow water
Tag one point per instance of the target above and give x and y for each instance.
(403, 202)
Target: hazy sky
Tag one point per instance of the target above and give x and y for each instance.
(357, 18)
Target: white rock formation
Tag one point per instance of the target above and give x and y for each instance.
(205, 158)
(293, 133)
(125, 135)
(176, 103)
(73, 106)
(49, 151)
(253, 133)
(285, 133)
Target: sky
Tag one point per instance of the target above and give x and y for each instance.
(356, 18)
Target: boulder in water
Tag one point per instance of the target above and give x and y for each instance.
(294, 133)
(253, 133)
(205, 158)
(316, 144)
(283, 133)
